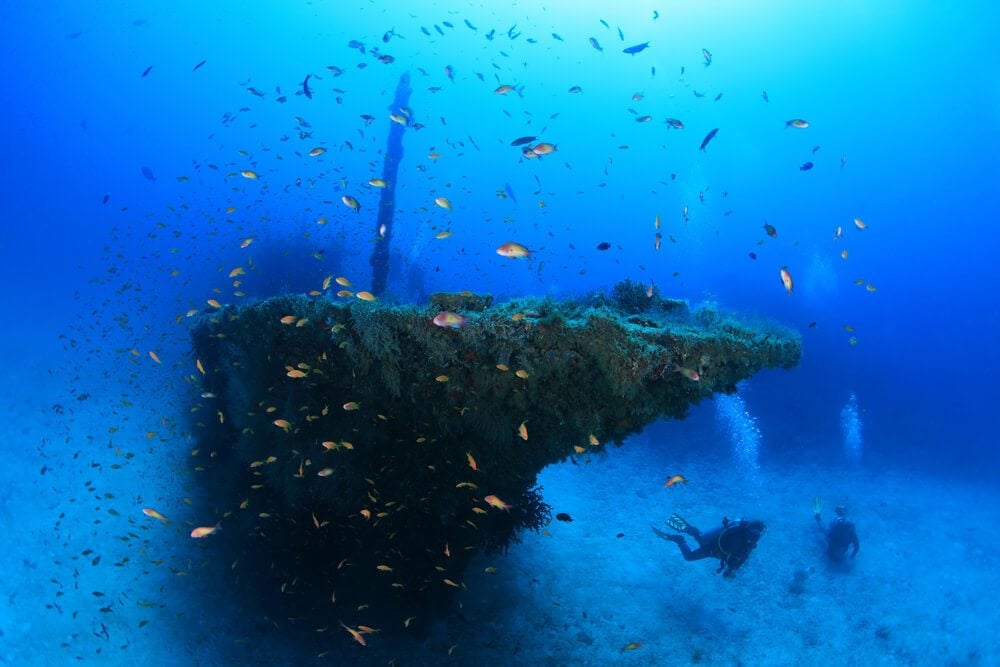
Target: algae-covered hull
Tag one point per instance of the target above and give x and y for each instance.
(364, 451)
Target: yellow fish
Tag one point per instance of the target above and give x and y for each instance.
(351, 202)
(493, 501)
(155, 515)
(205, 531)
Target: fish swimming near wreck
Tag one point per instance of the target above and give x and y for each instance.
(708, 138)
(638, 48)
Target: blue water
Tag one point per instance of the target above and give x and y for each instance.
(115, 189)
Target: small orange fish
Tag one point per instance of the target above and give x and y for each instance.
(246, 173)
(513, 250)
(238, 271)
(152, 355)
(543, 148)
(325, 472)
(377, 183)
(860, 224)
(351, 405)
(342, 281)
(214, 303)
(676, 479)
(786, 280)
(155, 515)
(354, 633)
(443, 203)
(504, 89)
(493, 501)
(247, 241)
(689, 373)
(449, 320)
(351, 203)
(288, 319)
(295, 373)
(282, 424)
(205, 531)
(201, 369)
(365, 296)
(472, 461)
(316, 152)
(631, 646)
(522, 431)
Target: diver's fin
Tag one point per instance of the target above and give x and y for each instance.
(677, 523)
(817, 505)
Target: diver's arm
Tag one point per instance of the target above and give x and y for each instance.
(855, 544)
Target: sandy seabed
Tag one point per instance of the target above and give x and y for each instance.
(576, 594)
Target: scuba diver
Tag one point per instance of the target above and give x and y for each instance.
(731, 543)
(839, 535)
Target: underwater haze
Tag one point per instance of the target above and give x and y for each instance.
(740, 266)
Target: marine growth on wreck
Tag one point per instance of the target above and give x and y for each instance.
(359, 455)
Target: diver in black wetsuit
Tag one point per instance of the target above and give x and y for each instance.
(731, 543)
(840, 534)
